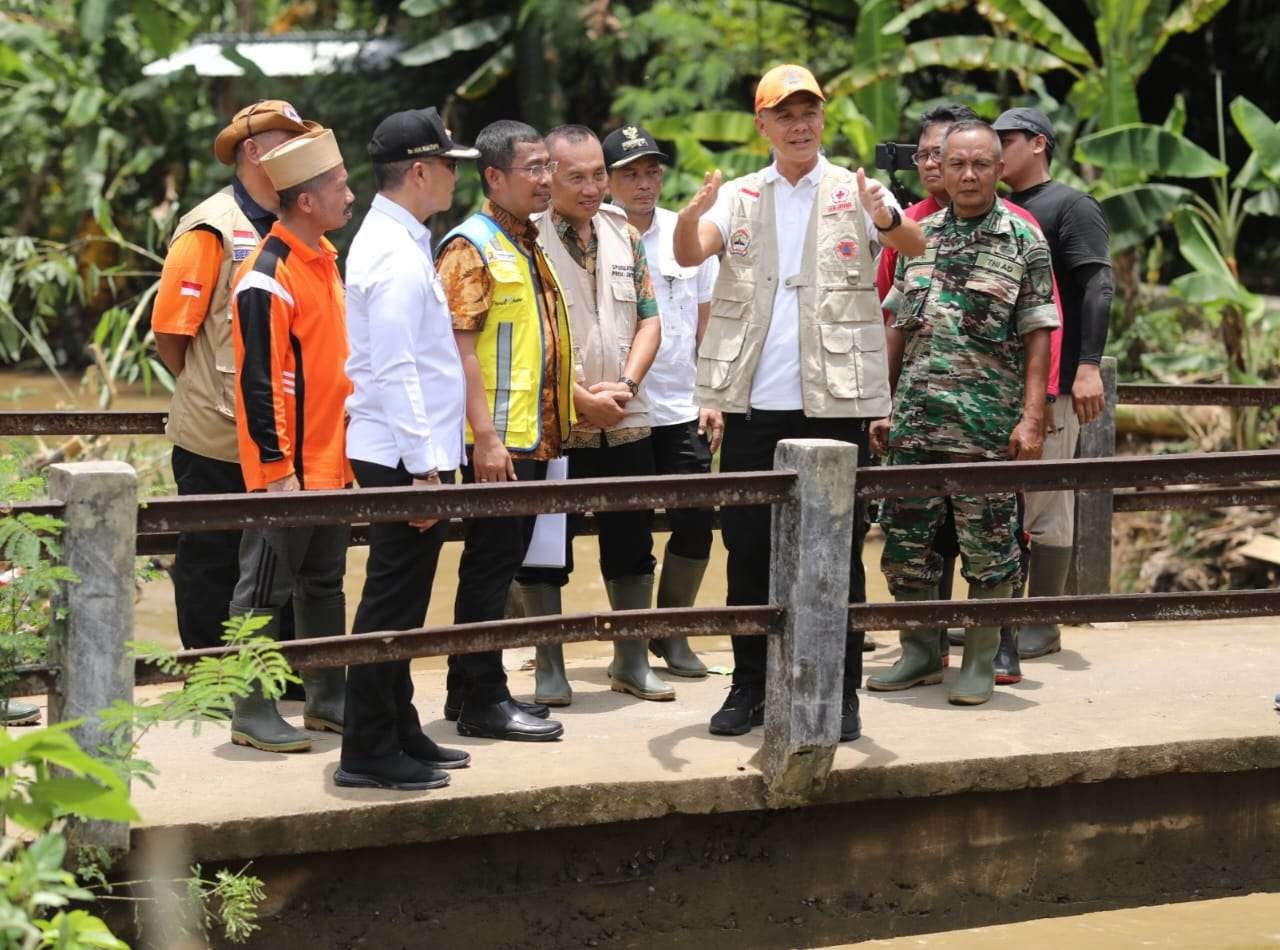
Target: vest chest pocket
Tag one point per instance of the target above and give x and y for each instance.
(853, 360)
(623, 289)
(845, 303)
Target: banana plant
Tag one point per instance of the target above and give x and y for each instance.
(1030, 39)
(1207, 227)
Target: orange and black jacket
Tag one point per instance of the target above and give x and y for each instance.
(290, 337)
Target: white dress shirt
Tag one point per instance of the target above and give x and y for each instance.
(669, 382)
(776, 384)
(408, 402)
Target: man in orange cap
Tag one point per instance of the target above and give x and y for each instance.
(794, 347)
(290, 342)
(192, 325)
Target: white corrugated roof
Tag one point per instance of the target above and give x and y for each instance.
(295, 55)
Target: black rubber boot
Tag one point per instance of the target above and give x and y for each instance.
(1008, 669)
(678, 587)
(1046, 578)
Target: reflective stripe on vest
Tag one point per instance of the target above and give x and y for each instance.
(511, 345)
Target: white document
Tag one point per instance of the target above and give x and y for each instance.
(549, 530)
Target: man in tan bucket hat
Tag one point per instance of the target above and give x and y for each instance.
(290, 342)
(192, 325)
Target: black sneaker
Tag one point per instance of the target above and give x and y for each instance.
(433, 756)
(850, 719)
(399, 772)
(742, 709)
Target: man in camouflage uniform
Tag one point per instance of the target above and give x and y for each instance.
(968, 359)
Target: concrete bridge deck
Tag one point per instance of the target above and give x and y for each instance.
(1140, 766)
(1132, 702)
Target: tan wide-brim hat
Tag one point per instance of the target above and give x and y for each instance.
(260, 117)
(302, 159)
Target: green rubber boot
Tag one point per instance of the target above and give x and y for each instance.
(678, 587)
(921, 660)
(325, 706)
(550, 681)
(1047, 577)
(977, 679)
(630, 671)
(255, 721)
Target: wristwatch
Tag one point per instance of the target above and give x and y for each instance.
(434, 473)
(895, 219)
(630, 384)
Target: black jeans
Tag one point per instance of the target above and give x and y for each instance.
(380, 715)
(207, 564)
(749, 444)
(492, 553)
(679, 450)
(626, 537)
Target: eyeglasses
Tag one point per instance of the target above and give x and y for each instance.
(535, 171)
(926, 155)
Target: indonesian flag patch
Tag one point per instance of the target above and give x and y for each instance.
(190, 288)
(242, 244)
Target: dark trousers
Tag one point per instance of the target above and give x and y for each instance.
(679, 450)
(626, 537)
(749, 444)
(207, 563)
(493, 551)
(380, 716)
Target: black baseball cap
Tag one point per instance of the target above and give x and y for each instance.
(415, 133)
(1026, 119)
(623, 146)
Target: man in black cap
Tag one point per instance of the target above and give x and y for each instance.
(1080, 243)
(683, 436)
(407, 412)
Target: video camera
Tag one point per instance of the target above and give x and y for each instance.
(894, 157)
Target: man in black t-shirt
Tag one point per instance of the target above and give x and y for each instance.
(1079, 242)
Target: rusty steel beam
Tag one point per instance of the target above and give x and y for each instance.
(82, 423)
(1069, 474)
(274, 510)
(1176, 499)
(501, 634)
(1158, 394)
(1093, 608)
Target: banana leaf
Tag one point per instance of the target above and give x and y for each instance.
(1137, 212)
(918, 10)
(1034, 21)
(878, 101)
(711, 126)
(468, 36)
(953, 52)
(1148, 150)
(1261, 133)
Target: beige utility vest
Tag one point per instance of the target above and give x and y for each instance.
(843, 368)
(202, 415)
(604, 324)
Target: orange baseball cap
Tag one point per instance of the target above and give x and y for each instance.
(260, 117)
(783, 81)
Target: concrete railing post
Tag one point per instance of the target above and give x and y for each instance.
(98, 543)
(809, 580)
(1091, 560)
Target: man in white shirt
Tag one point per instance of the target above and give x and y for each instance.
(683, 437)
(794, 346)
(407, 412)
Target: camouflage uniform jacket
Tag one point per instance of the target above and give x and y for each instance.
(964, 306)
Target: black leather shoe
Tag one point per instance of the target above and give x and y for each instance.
(742, 709)
(433, 756)
(506, 720)
(850, 719)
(402, 773)
(453, 707)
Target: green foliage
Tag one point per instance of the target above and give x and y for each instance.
(1148, 150)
